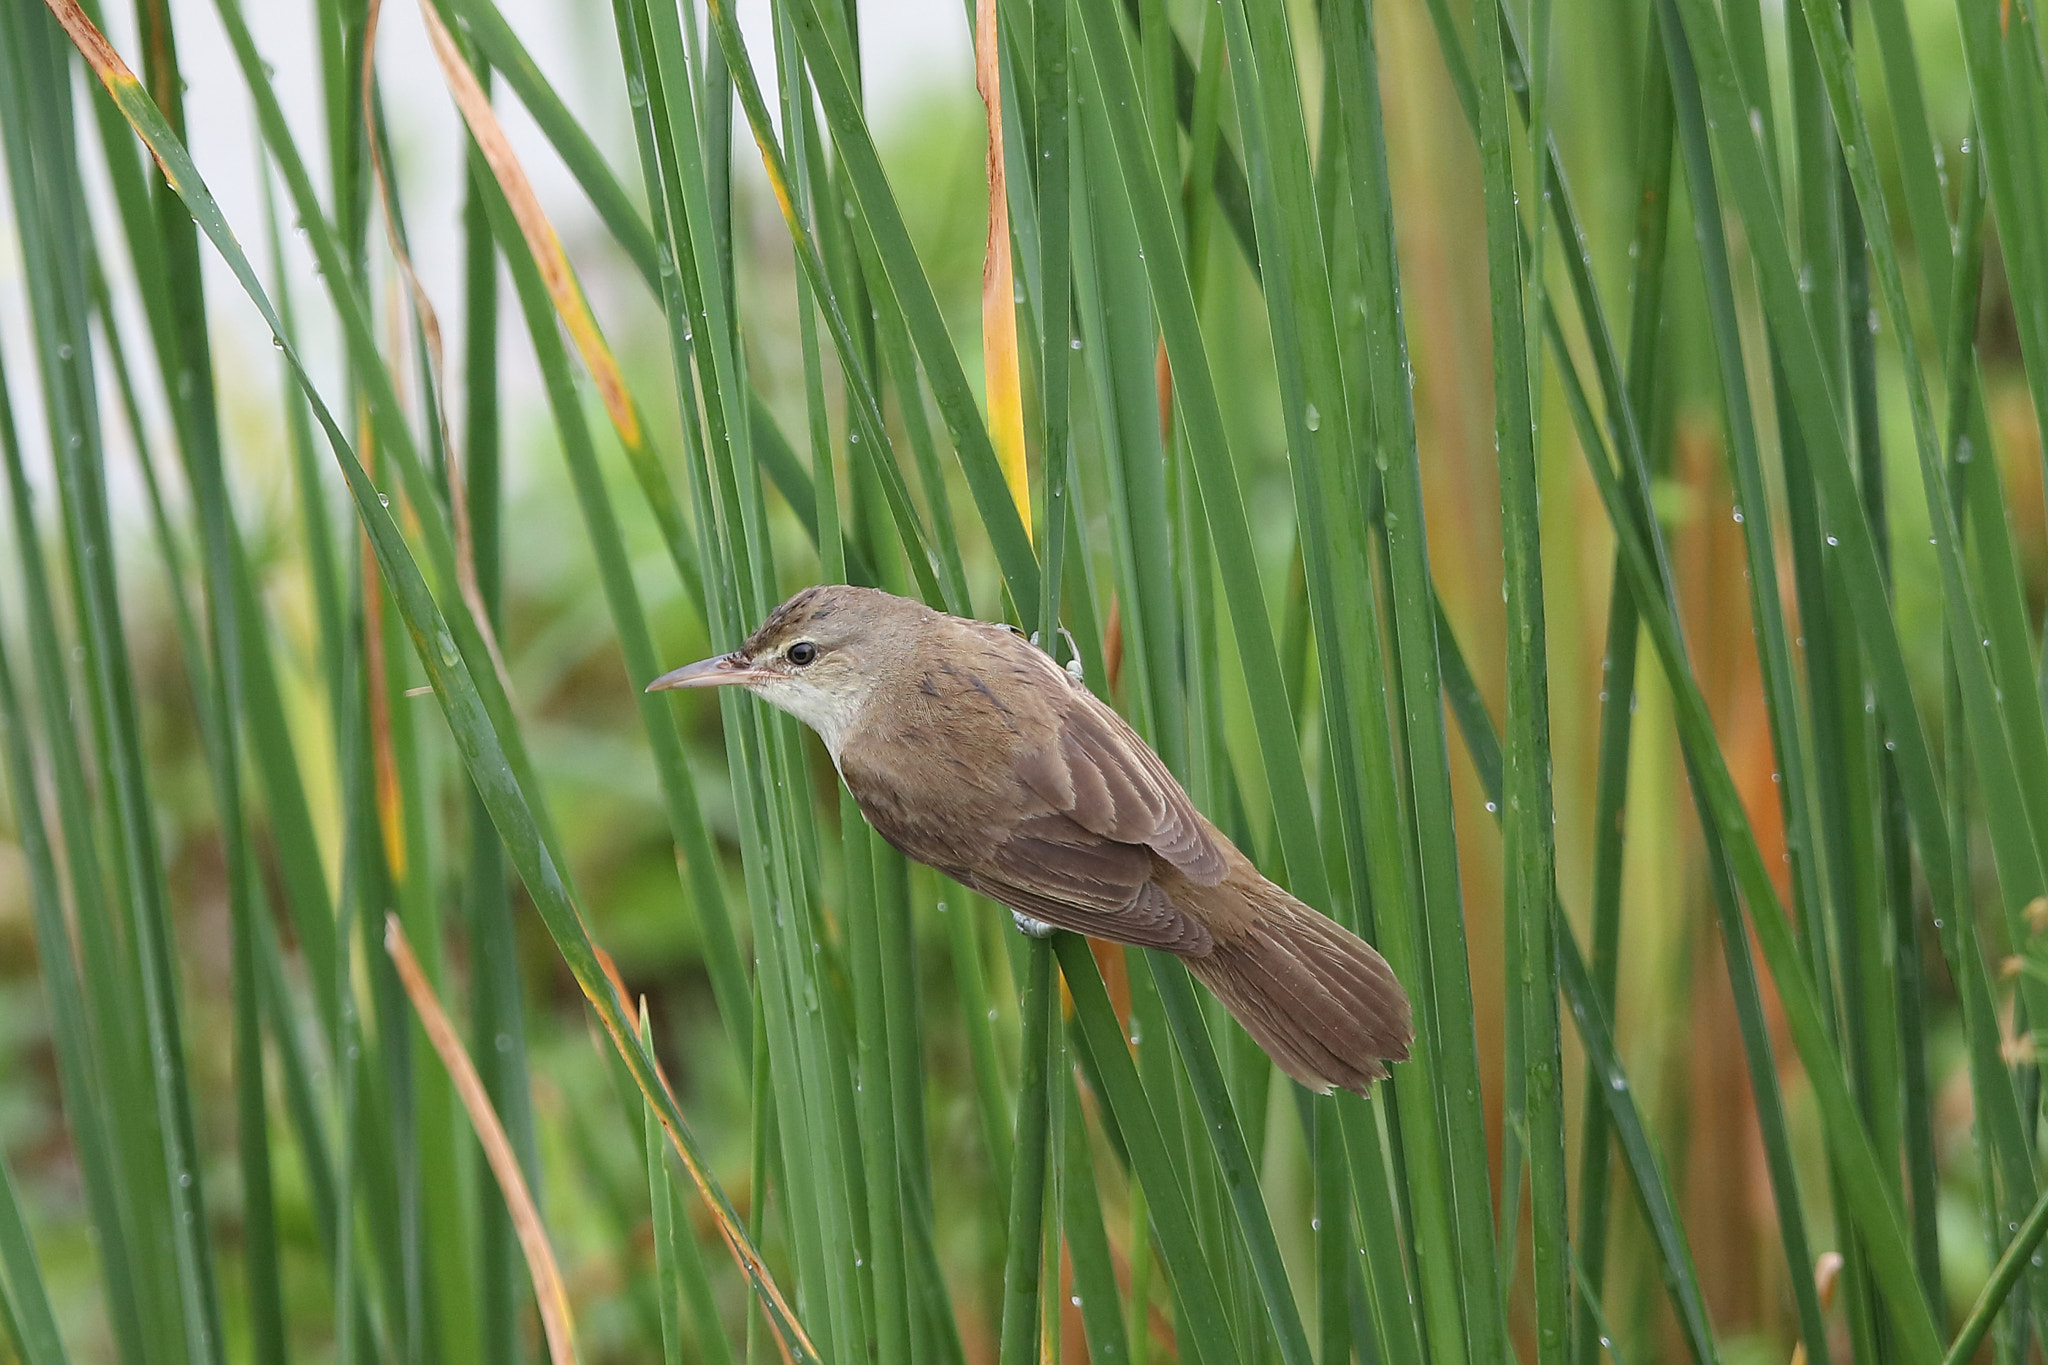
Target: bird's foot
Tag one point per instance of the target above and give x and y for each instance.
(1073, 665)
(1033, 928)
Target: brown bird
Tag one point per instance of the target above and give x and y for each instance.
(973, 752)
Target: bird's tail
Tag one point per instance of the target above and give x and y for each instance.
(1322, 1003)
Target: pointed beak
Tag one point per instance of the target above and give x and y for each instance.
(718, 672)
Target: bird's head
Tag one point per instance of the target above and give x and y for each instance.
(818, 656)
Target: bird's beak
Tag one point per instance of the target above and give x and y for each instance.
(718, 672)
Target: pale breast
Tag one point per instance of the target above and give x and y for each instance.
(933, 763)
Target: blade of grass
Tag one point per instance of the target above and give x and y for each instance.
(2006, 88)
(59, 297)
(497, 1017)
(1002, 385)
(333, 249)
(868, 192)
(1527, 820)
(678, 1269)
(1647, 254)
(1106, 1055)
(35, 1335)
(2005, 1276)
(1109, 63)
(497, 43)
(488, 761)
(1774, 648)
(187, 366)
(1831, 43)
(30, 1323)
(72, 1027)
(1415, 897)
(686, 821)
(812, 1157)
(1240, 1178)
(867, 410)
(1052, 57)
(1087, 1241)
(1609, 1079)
(1022, 1258)
(883, 1162)
(548, 1289)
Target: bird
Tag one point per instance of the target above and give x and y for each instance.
(969, 749)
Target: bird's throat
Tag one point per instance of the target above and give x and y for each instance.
(832, 716)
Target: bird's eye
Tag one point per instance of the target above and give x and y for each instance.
(802, 652)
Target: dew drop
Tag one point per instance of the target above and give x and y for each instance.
(1313, 418)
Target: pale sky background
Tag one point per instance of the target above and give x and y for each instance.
(912, 50)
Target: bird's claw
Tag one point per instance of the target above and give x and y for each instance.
(1033, 928)
(1074, 667)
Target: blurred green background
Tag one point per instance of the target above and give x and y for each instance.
(1675, 1017)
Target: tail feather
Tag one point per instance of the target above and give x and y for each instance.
(1322, 1003)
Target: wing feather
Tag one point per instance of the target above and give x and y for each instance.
(1055, 870)
(1115, 786)
(1051, 805)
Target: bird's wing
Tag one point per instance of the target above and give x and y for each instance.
(1038, 796)
(1095, 770)
(1054, 869)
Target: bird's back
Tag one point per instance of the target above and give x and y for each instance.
(982, 758)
